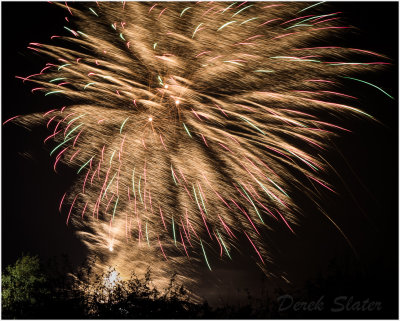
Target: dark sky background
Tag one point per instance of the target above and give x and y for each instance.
(366, 207)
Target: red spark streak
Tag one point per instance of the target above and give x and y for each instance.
(183, 243)
(161, 248)
(287, 224)
(244, 212)
(10, 119)
(72, 205)
(254, 247)
(59, 209)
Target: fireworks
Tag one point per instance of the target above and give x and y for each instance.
(192, 125)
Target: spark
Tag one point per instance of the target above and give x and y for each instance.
(197, 28)
(365, 82)
(241, 10)
(251, 149)
(123, 124)
(313, 5)
(187, 130)
(54, 92)
(10, 119)
(84, 165)
(88, 84)
(205, 256)
(226, 24)
(184, 10)
(94, 12)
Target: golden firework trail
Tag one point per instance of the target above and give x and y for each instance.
(191, 125)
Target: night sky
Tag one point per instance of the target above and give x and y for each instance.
(365, 207)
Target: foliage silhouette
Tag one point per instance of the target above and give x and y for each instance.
(31, 290)
(23, 285)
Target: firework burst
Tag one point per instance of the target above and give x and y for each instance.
(192, 125)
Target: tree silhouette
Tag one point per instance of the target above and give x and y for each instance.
(23, 286)
(30, 290)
